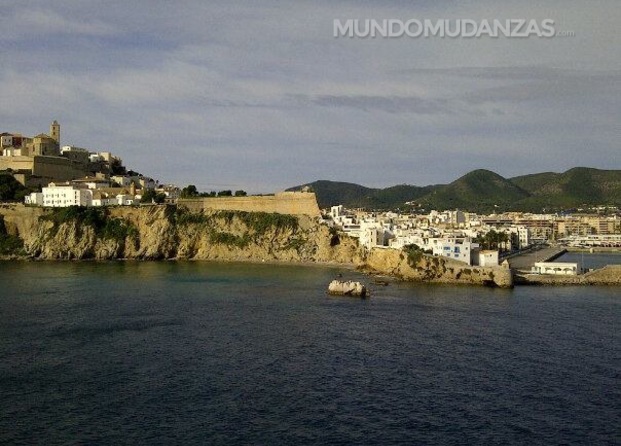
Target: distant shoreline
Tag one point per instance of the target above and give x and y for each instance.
(595, 249)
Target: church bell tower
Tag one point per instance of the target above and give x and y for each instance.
(55, 132)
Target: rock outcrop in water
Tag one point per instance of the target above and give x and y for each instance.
(348, 288)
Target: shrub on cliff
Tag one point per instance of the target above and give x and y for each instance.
(261, 222)
(226, 238)
(11, 189)
(414, 254)
(9, 244)
(105, 227)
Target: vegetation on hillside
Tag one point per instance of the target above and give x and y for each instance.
(256, 224)
(9, 244)
(479, 191)
(11, 189)
(150, 196)
(484, 191)
(191, 191)
(331, 193)
(105, 226)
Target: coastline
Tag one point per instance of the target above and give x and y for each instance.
(166, 233)
(609, 275)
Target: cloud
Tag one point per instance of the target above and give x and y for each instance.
(26, 23)
(388, 104)
(261, 95)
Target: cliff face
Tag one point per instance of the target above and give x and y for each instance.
(161, 232)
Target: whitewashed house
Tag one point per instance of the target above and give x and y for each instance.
(35, 198)
(65, 195)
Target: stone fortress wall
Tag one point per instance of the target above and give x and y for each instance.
(42, 169)
(293, 203)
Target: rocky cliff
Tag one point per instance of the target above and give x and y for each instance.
(419, 267)
(166, 232)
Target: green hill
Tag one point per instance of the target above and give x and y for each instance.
(479, 190)
(575, 187)
(331, 193)
(484, 191)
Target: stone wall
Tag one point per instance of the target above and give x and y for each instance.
(58, 168)
(43, 168)
(293, 203)
(16, 163)
(608, 275)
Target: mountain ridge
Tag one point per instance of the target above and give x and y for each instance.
(482, 190)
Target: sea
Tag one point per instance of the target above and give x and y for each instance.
(165, 353)
(591, 260)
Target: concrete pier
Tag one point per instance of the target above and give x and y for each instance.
(527, 260)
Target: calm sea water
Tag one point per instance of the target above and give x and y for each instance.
(591, 260)
(203, 353)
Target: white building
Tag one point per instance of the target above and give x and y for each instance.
(6, 140)
(102, 199)
(66, 195)
(121, 180)
(67, 149)
(145, 183)
(125, 200)
(171, 191)
(556, 268)
(35, 198)
(523, 236)
(92, 182)
(461, 249)
(488, 258)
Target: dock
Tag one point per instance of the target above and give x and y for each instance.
(527, 260)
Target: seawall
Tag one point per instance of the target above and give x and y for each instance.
(608, 275)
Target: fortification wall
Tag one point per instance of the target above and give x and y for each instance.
(47, 168)
(57, 168)
(293, 203)
(16, 163)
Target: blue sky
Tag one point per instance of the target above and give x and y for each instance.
(260, 95)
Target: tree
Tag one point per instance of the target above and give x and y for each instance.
(148, 196)
(11, 189)
(240, 193)
(493, 240)
(189, 192)
(160, 198)
(225, 193)
(116, 168)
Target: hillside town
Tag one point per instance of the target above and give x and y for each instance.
(477, 240)
(67, 175)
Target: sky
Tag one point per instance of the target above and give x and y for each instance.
(260, 96)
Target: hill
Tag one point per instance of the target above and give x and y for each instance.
(479, 190)
(331, 193)
(484, 191)
(573, 188)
